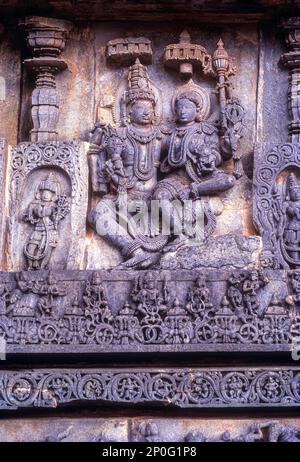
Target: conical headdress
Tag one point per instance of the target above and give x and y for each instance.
(139, 85)
(292, 182)
(50, 183)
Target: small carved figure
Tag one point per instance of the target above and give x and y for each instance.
(251, 285)
(291, 222)
(4, 299)
(235, 296)
(149, 432)
(150, 302)
(195, 437)
(198, 299)
(21, 304)
(95, 297)
(44, 213)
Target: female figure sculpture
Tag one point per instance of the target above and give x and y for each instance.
(289, 228)
(193, 157)
(44, 213)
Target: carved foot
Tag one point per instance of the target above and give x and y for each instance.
(140, 260)
(176, 244)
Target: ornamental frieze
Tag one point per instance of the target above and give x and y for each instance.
(183, 388)
(148, 311)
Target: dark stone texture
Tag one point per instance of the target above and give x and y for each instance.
(192, 388)
(168, 311)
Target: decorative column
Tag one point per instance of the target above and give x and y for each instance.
(46, 38)
(291, 60)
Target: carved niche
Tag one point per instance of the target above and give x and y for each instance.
(142, 160)
(276, 203)
(48, 198)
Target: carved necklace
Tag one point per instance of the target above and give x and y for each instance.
(143, 138)
(178, 158)
(142, 170)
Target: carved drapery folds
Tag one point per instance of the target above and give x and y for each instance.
(46, 38)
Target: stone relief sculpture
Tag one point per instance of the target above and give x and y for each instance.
(193, 157)
(175, 155)
(44, 213)
(276, 205)
(219, 388)
(157, 314)
(133, 157)
(276, 174)
(48, 197)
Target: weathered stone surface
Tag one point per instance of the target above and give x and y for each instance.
(241, 252)
(10, 84)
(168, 114)
(152, 430)
(203, 10)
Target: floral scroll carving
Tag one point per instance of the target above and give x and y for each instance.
(254, 387)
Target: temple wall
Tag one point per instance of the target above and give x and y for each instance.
(144, 336)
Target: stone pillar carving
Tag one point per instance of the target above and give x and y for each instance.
(291, 60)
(46, 38)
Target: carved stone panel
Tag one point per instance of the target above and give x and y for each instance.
(100, 430)
(48, 203)
(142, 312)
(150, 230)
(276, 203)
(182, 388)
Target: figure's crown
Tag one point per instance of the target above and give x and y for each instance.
(139, 85)
(293, 182)
(50, 183)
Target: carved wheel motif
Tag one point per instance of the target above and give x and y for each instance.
(127, 387)
(270, 387)
(200, 389)
(22, 390)
(235, 387)
(92, 387)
